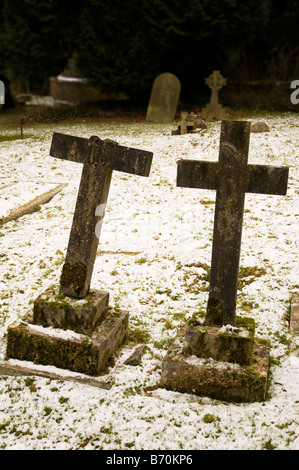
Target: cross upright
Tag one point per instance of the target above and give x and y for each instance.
(99, 158)
(231, 177)
(215, 81)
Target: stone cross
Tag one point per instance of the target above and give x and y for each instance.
(231, 177)
(99, 158)
(214, 109)
(185, 125)
(215, 81)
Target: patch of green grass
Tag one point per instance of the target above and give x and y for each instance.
(209, 418)
(282, 338)
(141, 260)
(249, 273)
(4, 425)
(139, 335)
(5, 138)
(63, 400)
(247, 306)
(268, 445)
(47, 410)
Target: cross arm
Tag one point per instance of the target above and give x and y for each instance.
(107, 152)
(67, 147)
(197, 174)
(265, 179)
(129, 160)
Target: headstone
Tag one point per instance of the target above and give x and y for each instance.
(98, 330)
(260, 127)
(200, 123)
(164, 98)
(214, 109)
(231, 177)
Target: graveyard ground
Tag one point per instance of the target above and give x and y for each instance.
(153, 258)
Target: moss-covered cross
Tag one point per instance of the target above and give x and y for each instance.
(99, 158)
(231, 177)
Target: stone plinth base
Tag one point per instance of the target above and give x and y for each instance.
(226, 344)
(77, 335)
(68, 350)
(214, 111)
(208, 377)
(80, 315)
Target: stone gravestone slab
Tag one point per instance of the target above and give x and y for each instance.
(96, 329)
(164, 98)
(214, 109)
(223, 337)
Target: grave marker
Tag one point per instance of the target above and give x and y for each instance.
(231, 177)
(98, 330)
(185, 125)
(99, 159)
(214, 109)
(164, 98)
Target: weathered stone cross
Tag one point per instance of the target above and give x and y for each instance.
(99, 158)
(232, 177)
(215, 81)
(184, 124)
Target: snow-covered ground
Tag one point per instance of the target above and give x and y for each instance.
(153, 258)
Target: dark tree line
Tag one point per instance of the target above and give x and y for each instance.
(123, 45)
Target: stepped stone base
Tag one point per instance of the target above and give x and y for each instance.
(211, 111)
(77, 335)
(227, 345)
(80, 315)
(208, 377)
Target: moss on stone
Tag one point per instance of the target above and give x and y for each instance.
(240, 353)
(60, 311)
(215, 312)
(247, 323)
(74, 275)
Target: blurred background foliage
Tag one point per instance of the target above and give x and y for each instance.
(122, 46)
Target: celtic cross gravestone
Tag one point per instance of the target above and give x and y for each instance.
(214, 109)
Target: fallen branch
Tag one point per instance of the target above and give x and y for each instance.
(32, 205)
